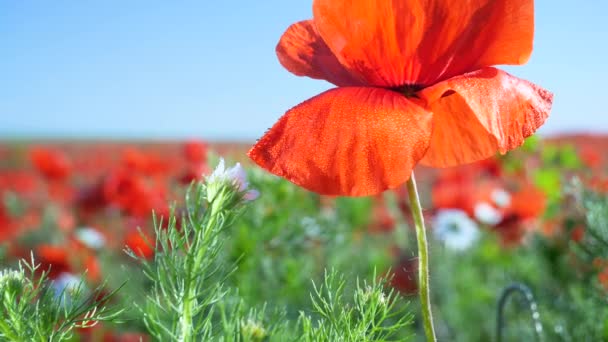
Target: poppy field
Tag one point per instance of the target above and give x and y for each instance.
(413, 200)
(534, 218)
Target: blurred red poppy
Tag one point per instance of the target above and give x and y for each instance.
(53, 259)
(405, 275)
(195, 152)
(142, 246)
(18, 181)
(528, 202)
(7, 227)
(148, 163)
(51, 163)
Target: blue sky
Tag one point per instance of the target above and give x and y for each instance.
(182, 69)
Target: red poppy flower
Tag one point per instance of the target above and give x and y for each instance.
(405, 275)
(145, 163)
(132, 194)
(7, 227)
(382, 220)
(53, 164)
(142, 246)
(92, 198)
(20, 181)
(195, 151)
(53, 259)
(415, 84)
(528, 202)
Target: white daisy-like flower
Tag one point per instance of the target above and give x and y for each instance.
(455, 229)
(91, 237)
(501, 197)
(487, 214)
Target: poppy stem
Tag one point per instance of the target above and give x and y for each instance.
(423, 259)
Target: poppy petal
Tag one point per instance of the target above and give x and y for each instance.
(350, 141)
(480, 113)
(302, 51)
(393, 43)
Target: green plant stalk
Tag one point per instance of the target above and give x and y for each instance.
(186, 320)
(423, 260)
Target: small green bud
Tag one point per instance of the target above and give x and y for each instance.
(253, 330)
(12, 282)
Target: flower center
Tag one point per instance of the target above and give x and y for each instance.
(409, 90)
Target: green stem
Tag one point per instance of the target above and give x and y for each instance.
(189, 300)
(423, 259)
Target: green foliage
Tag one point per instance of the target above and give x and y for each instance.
(196, 295)
(572, 304)
(32, 308)
(373, 316)
(288, 237)
(228, 269)
(186, 274)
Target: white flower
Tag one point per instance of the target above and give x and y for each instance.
(455, 229)
(65, 286)
(501, 197)
(311, 226)
(487, 214)
(91, 237)
(235, 175)
(66, 282)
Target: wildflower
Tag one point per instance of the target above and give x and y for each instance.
(528, 202)
(527, 205)
(52, 164)
(141, 245)
(12, 281)
(415, 84)
(404, 277)
(91, 237)
(132, 194)
(501, 198)
(7, 230)
(195, 151)
(455, 229)
(54, 259)
(487, 214)
(144, 163)
(231, 179)
(65, 282)
(577, 233)
(253, 330)
(192, 173)
(65, 287)
(370, 295)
